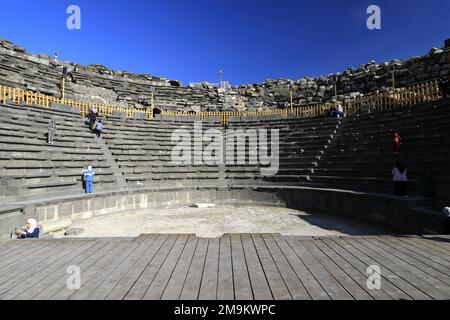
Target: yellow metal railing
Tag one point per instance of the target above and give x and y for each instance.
(376, 102)
(398, 98)
(20, 96)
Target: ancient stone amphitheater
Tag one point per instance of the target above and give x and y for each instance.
(340, 167)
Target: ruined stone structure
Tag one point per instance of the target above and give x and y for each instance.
(98, 84)
(337, 166)
(341, 166)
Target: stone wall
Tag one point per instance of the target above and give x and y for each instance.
(99, 84)
(352, 82)
(367, 207)
(96, 83)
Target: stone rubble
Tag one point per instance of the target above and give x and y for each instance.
(96, 83)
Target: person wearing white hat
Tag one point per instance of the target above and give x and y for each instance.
(446, 224)
(31, 230)
(89, 179)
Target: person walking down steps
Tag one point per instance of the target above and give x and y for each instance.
(51, 130)
(89, 179)
(99, 128)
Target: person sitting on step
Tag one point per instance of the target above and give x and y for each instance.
(333, 112)
(30, 231)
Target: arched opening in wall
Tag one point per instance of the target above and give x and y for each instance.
(175, 83)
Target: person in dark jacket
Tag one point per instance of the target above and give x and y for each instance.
(93, 115)
(31, 230)
(444, 86)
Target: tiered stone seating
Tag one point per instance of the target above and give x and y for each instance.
(143, 151)
(354, 153)
(29, 167)
(302, 142)
(361, 155)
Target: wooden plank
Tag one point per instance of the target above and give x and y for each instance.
(24, 271)
(361, 262)
(176, 281)
(277, 284)
(14, 264)
(5, 244)
(422, 280)
(24, 248)
(442, 241)
(208, 288)
(88, 288)
(427, 244)
(136, 268)
(159, 283)
(401, 277)
(294, 284)
(357, 275)
(242, 287)
(38, 273)
(326, 280)
(355, 289)
(55, 281)
(89, 269)
(225, 285)
(430, 248)
(145, 279)
(432, 260)
(441, 244)
(191, 286)
(260, 287)
(12, 246)
(411, 257)
(105, 288)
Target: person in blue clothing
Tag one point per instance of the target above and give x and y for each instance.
(31, 230)
(89, 179)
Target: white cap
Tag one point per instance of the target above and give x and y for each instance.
(446, 210)
(90, 168)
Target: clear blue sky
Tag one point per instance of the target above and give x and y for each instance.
(250, 40)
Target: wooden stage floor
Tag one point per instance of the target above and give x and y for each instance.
(233, 267)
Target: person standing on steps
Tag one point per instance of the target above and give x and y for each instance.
(93, 114)
(340, 111)
(396, 141)
(51, 130)
(444, 86)
(399, 175)
(89, 179)
(99, 128)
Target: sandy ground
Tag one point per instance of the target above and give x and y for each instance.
(214, 222)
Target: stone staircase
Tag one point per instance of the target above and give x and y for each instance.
(111, 162)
